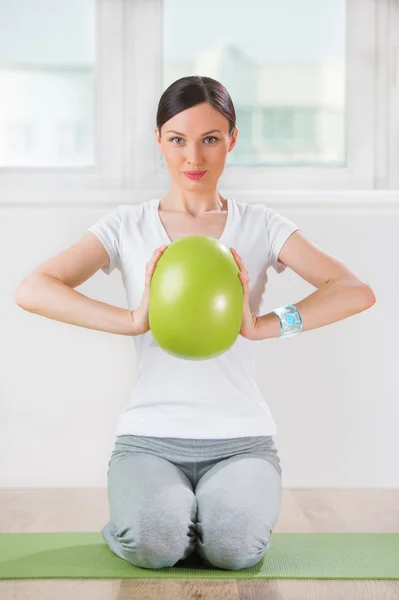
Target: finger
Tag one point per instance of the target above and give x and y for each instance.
(239, 259)
(156, 254)
(245, 282)
(234, 253)
(152, 265)
(159, 250)
(150, 268)
(159, 253)
(243, 270)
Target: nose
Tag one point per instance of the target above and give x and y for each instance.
(193, 155)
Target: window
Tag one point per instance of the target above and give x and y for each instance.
(284, 66)
(324, 138)
(314, 84)
(47, 83)
(60, 95)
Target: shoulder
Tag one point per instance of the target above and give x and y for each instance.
(138, 209)
(134, 212)
(260, 212)
(252, 211)
(122, 216)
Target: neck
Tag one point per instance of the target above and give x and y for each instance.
(193, 203)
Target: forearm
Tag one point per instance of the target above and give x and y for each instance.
(51, 298)
(331, 302)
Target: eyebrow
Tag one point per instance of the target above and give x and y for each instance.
(182, 134)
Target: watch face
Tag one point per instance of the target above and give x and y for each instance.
(290, 320)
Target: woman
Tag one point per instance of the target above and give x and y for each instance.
(194, 466)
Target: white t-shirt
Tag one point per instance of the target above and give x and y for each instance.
(202, 399)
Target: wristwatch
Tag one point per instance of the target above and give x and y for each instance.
(290, 320)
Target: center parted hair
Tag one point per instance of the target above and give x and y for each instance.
(190, 91)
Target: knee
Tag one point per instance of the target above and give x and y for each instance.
(229, 551)
(234, 560)
(150, 547)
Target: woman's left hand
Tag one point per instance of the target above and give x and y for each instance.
(249, 321)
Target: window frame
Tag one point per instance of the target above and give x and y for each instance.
(107, 173)
(391, 105)
(147, 172)
(129, 160)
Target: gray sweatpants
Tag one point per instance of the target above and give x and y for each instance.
(169, 497)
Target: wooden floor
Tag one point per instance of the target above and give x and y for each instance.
(301, 511)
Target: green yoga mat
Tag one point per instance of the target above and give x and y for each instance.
(290, 556)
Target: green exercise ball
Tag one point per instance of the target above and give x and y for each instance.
(196, 299)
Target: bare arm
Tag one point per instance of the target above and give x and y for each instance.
(49, 290)
(51, 298)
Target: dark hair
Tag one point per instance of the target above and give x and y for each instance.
(189, 91)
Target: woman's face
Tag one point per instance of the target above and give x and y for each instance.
(196, 146)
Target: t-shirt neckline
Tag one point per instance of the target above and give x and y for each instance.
(164, 235)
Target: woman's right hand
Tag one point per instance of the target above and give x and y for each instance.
(140, 316)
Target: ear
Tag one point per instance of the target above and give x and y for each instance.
(234, 139)
(157, 136)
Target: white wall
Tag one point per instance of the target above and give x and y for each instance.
(332, 391)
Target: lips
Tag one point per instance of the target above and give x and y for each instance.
(194, 174)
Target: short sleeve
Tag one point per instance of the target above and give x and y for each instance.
(107, 229)
(279, 229)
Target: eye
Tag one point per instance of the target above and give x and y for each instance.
(212, 137)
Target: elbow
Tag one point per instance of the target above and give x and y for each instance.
(21, 296)
(20, 300)
(369, 295)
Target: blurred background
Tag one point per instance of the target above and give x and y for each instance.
(315, 86)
